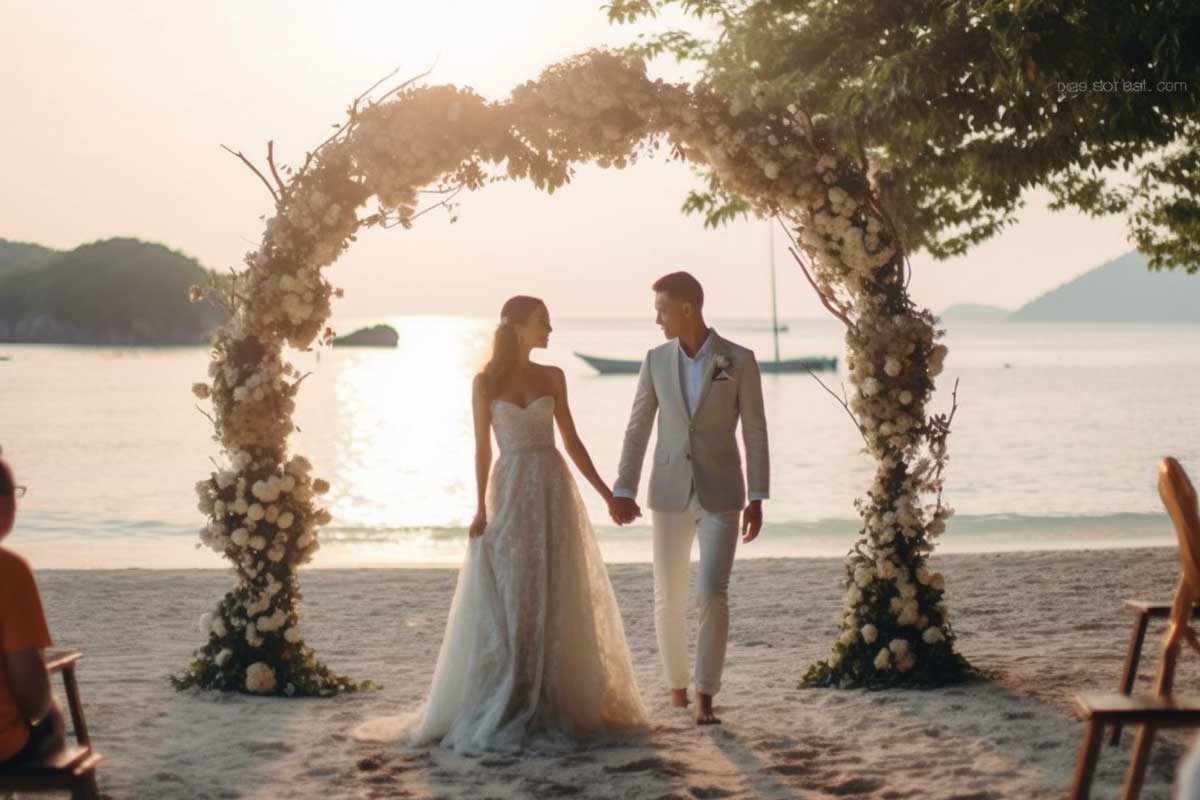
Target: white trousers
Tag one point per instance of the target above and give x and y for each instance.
(673, 535)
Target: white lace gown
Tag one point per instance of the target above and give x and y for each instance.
(534, 645)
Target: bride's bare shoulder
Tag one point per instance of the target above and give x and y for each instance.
(479, 386)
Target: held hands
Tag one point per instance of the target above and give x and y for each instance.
(623, 510)
(479, 524)
(752, 518)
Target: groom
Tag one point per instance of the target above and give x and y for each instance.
(699, 384)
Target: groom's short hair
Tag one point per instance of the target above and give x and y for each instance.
(681, 286)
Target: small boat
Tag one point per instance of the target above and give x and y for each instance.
(621, 366)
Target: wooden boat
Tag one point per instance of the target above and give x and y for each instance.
(621, 366)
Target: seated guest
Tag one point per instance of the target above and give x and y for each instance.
(31, 724)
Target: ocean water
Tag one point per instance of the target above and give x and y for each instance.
(1055, 443)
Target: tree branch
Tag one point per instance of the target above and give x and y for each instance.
(445, 201)
(824, 300)
(353, 110)
(843, 404)
(246, 161)
(271, 163)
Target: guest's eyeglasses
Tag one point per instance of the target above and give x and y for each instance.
(18, 491)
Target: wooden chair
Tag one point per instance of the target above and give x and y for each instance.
(1162, 709)
(73, 768)
(1143, 612)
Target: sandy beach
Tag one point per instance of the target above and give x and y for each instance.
(1048, 624)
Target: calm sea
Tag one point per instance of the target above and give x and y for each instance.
(1058, 432)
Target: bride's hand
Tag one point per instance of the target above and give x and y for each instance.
(478, 525)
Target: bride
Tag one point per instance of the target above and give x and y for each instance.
(534, 643)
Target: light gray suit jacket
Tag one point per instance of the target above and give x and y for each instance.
(699, 449)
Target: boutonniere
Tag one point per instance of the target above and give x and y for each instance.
(723, 364)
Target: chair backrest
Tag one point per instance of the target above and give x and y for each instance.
(1179, 497)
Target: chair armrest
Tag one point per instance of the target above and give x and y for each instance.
(56, 660)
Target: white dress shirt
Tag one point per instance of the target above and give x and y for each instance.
(691, 372)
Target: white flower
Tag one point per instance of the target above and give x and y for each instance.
(218, 626)
(206, 620)
(258, 542)
(771, 170)
(240, 537)
(870, 633)
(265, 491)
(260, 678)
(255, 512)
(898, 646)
(293, 634)
(239, 394)
(299, 465)
(223, 657)
(871, 387)
(933, 635)
(320, 486)
(226, 478)
(936, 581)
(883, 659)
(906, 397)
(893, 367)
(201, 390)
(863, 576)
(285, 520)
(276, 554)
(936, 527)
(906, 662)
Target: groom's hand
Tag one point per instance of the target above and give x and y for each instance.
(751, 521)
(624, 510)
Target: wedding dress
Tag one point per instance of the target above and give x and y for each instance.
(534, 646)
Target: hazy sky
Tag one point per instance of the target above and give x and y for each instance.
(113, 114)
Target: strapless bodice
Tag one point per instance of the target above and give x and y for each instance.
(520, 429)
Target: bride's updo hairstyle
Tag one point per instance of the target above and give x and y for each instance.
(516, 312)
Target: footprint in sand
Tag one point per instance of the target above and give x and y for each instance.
(270, 747)
(707, 792)
(854, 786)
(544, 788)
(661, 766)
(1018, 715)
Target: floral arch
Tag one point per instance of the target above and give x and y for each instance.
(262, 508)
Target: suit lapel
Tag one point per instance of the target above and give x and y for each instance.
(710, 369)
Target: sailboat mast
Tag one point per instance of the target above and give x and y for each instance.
(774, 305)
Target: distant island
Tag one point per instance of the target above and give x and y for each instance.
(1121, 290)
(111, 292)
(974, 312)
(375, 336)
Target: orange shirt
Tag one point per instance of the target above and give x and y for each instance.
(22, 627)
